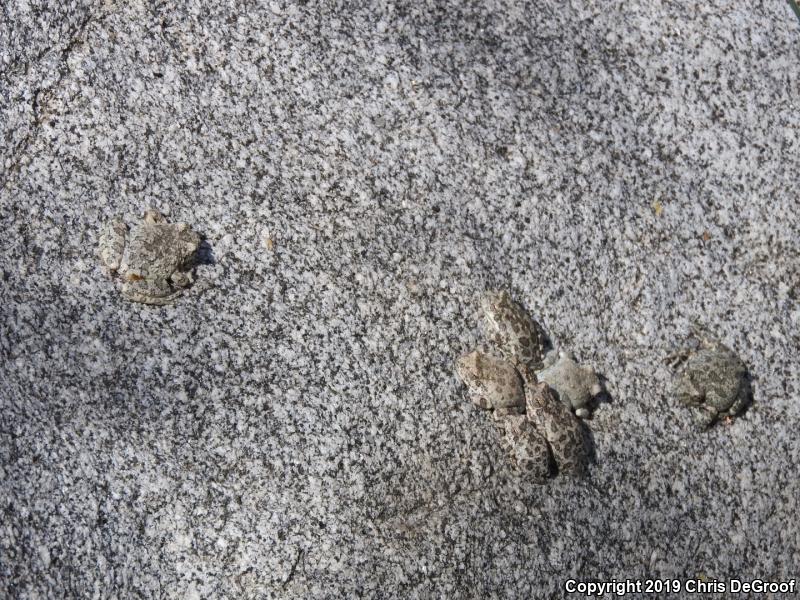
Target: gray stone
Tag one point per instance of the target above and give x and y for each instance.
(293, 428)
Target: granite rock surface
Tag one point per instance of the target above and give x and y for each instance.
(292, 427)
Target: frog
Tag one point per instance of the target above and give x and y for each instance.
(493, 383)
(711, 380)
(154, 261)
(559, 426)
(521, 339)
(575, 385)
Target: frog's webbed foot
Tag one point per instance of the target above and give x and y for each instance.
(112, 245)
(703, 336)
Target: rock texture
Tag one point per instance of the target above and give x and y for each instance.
(293, 428)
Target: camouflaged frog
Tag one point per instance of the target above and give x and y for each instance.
(154, 261)
(526, 447)
(557, 424)
(711, 380)
(521, 339)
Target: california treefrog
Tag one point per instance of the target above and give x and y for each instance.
(154, 261)
(575, 385)
(712, 381)
(516, 334)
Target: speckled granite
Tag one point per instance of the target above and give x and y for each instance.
(292, 427)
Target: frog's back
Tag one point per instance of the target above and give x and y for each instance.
(520, 338)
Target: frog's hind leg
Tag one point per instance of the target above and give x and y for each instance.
(569, 450)
(743, 398)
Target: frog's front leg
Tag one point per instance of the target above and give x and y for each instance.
(675, 359)
(703, 416)
(526, 447)
(480, 401)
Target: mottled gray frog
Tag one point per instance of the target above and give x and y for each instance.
(516, 334)
(154, 261)
(526, 447)
(711, 380)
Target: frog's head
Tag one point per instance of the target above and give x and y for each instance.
(469, 370)
(151, 215)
